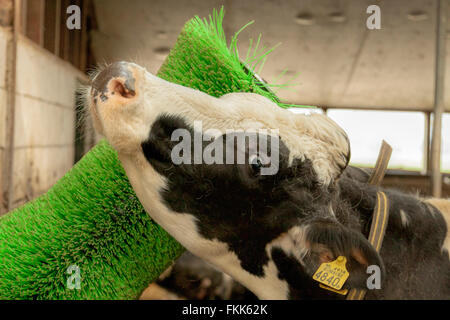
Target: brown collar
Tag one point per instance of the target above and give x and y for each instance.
(381, 211)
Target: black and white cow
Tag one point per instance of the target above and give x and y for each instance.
(269, 232)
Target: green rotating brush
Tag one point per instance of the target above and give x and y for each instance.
(89, 237)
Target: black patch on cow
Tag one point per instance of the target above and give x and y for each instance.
(233, 205)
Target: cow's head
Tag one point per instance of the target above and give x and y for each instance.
(259, 209)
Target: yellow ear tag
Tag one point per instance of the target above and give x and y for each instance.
(332, 274)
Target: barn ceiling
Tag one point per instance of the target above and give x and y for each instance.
(339, 62)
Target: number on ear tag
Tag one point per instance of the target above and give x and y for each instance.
(332, 274)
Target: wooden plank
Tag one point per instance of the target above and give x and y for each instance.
(71, 45)
(64, 32)
(50, 25)
(57, 28)
(6, 13)
(78, 34)
(436, 176)
(84, 35)
(91, 25)
(413, 184)
(23, 15)
(75, 41)
(35, 15)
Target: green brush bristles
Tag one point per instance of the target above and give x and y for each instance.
(202, 60)
(91, 218)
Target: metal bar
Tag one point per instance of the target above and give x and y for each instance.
(436, 176)
(426, 144)
(373, 108)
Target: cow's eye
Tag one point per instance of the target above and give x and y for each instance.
(256, 163)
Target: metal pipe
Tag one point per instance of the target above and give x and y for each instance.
(436, 176)
(426, 144)
(371, 108)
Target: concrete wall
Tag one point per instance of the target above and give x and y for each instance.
(5, 36)
(44, 127)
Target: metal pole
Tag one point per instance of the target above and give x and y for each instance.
(426, 144)
(436, 176)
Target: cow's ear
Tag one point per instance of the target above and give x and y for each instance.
(325, 143)
(327, 240)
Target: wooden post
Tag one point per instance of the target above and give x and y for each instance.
(436, 176)
(8, 159)
(35, 15)
(64, 36)
(58, 28)
(6, 13)
(75, 41)
(52, 26)
(84, 35)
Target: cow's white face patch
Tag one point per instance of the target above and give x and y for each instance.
(126, 121)
(227, 215)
